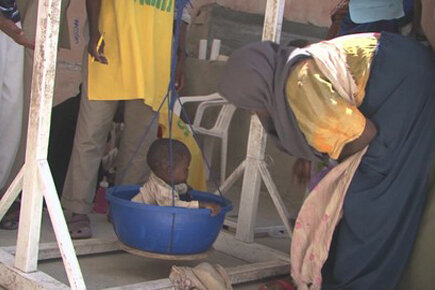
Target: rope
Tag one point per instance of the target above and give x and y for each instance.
(195, 136)
(170, 98)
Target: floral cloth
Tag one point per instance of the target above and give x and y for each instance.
(316, 223)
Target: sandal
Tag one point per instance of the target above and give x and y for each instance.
(79, 226)
(10, 220)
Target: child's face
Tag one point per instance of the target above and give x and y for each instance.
(181, 172)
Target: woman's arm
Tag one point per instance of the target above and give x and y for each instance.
(366, 137)
(328, 121)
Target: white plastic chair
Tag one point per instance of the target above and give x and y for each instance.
(218, 130)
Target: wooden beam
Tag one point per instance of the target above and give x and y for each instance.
(252, 252)
(226, 185)
(266, 262)
(237, 275)
(259, 232)
(215, 49)
(225, 243)
(12, 278)
(257, 271)
(60, 228)
(44, 71)
(49, 251)
(257, 139)
(158, 256)
(161, 284)
(273, 20)
(12, 193)
(276, 197)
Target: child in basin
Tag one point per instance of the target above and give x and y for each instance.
(157, 190)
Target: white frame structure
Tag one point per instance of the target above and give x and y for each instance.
(254, 168)
(18, 265)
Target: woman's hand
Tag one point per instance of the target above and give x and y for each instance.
(301, 174)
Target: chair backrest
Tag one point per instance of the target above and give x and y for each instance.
(225, 115)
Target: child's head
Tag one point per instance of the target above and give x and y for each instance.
(158, 160)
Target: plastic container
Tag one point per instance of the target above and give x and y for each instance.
(100, 204)
(165, 229)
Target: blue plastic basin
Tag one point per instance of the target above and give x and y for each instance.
(165, 229)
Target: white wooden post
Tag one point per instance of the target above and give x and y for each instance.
(257, 142)
(202, 51)
(37, 180)
(44, 70)
(11, 194)
(251, 182)
(215, 49)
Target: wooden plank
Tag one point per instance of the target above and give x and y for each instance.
(11, 278)
(215, 49)
(238, 172)
(276, 197)
(202, 53)
(49, 251)
(257, 271)
(237, 275)
(161, 284)
(251, 182)
(60, 228)
(273, 20)
(225, 243)
(12, 193)
(151, 255)
(44, 71)
(252, 252)
(260, 231)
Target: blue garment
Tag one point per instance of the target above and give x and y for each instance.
(347, 26)
(382, 19)
(364, 11)
(10, 10)
(384, 203)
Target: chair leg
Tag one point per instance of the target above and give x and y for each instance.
(224, 158)
(208, 153)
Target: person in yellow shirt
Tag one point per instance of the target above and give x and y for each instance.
(129, 59)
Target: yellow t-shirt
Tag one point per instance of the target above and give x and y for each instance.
(138, 38)
(327, 120)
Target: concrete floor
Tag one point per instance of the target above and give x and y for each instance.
(120, 268)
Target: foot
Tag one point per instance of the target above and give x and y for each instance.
(79, 226)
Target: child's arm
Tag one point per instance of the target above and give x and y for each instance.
(214, 207)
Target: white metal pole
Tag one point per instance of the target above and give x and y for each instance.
(257, 139)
